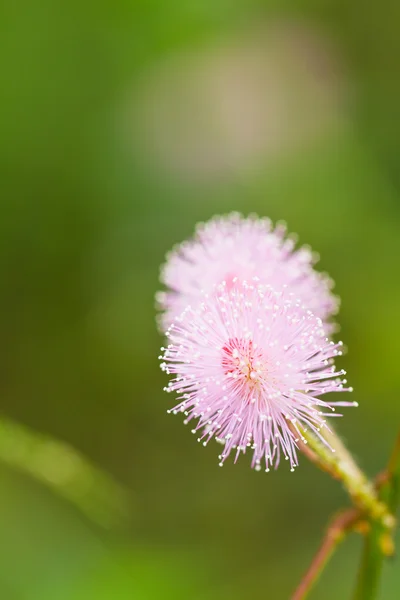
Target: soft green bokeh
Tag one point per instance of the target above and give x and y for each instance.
(111, 149)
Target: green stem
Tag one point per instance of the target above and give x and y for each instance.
(337, 460)
(378, 542)
(371, 565)
(376, 506)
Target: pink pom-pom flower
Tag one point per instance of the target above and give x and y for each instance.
(251, 364)
(232, 247)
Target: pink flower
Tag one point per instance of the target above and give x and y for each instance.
(251, 365)
(233, 246)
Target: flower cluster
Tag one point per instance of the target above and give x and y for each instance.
(234, 247)
(248, 348)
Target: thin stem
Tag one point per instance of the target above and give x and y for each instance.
(335, 533)
(387, 487)
(371, 565)
(379, 542)
(338, 462)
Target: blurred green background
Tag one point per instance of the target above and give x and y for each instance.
(122, 124)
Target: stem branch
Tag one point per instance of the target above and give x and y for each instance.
(379, 542)
(334, 458)
(372, 515)
(335, 533)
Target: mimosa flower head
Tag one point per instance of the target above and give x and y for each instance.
(250, 365)
(232, 247)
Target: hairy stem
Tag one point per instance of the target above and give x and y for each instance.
(334, 458)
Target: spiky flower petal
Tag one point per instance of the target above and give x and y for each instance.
(233, 246)
(251, 364)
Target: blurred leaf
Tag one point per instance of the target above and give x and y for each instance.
(65, 471)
